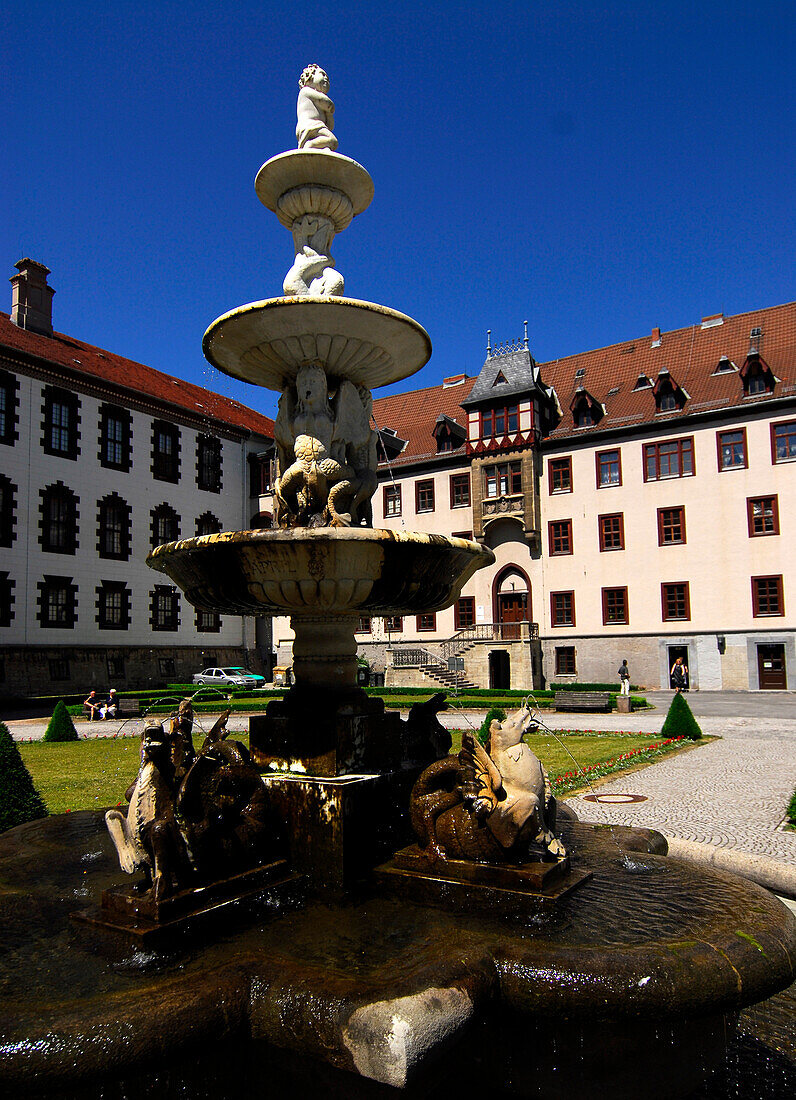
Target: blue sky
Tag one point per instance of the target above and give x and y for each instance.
(595, 169)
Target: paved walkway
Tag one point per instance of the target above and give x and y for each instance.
(730, 794)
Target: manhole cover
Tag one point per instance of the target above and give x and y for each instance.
(615, 799)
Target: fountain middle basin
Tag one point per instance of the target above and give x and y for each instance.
(305, 570)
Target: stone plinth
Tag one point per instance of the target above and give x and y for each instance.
(315, 732)
(340, 827)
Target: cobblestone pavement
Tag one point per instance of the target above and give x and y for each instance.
(731, 793)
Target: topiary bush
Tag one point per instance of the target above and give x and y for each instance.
(19, 799)
(493, 712)
(680, 722)
(61, 727)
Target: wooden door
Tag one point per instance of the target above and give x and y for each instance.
(512, 610)
(771, 667)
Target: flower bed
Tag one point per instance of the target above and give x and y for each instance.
(569, 781)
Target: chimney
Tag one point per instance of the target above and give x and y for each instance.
(656, 338)
(32, 298)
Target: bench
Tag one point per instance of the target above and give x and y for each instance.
(583, 700)
(125, 708)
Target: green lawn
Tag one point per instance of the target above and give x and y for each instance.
(81, 775)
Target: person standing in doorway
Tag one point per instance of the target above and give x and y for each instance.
(624, 678)
(678, 675)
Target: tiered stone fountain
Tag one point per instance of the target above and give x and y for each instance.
(436, 961)
(324, 565)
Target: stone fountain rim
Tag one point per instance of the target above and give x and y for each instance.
(316, 534)
(307, 167)
(384, 325)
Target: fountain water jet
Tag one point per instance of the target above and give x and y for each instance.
(381, 971)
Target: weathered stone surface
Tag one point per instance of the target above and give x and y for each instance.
(657, 951)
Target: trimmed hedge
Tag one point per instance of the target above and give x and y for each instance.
(19, 799)
(791, 811)
(491, 714)
(680, 721)
(61, 727)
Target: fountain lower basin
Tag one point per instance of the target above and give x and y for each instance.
(644, 965)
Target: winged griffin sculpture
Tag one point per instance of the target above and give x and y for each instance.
(326, 451)
(489, 804)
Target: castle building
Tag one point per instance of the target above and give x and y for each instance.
(102, 458)
(640, 501)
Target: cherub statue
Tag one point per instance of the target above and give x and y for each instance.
(315, 111)
(490, 804)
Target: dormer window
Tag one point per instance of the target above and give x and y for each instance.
(499, 422)
(449, 434)
(642, 383)
(756, 376)
(725, 365)
(586, 411)
(669, 397)
(389, 444)
(500, 380)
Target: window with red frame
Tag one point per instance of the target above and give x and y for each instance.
(502, 479)
(394, 624)
(565, 660)
(364, 626)
(424, 496)
(497, 422)
(609, 469)
(612, 531)
(767, 598)
(460, 490)
(562, 608)
(763, 514)
(670, 458)
(783, 441)
(675, 601)
(732, 449)
(464, 612)
(614, 606)
(392, 500)
(426, 622)
(560, 536)
(671, 526)
(559, 475)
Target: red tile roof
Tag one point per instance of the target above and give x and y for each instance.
(413, 416)
(125, 374)
(691, 356)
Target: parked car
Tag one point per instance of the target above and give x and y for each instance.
(226, 677)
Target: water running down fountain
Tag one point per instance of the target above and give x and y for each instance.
(449, 954)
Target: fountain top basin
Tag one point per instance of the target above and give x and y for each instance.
(312, 571)
(307, 167)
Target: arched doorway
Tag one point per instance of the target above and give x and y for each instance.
(499, 669)
(512, 602)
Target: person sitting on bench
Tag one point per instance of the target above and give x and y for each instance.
(91, 706)
(110, 706)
